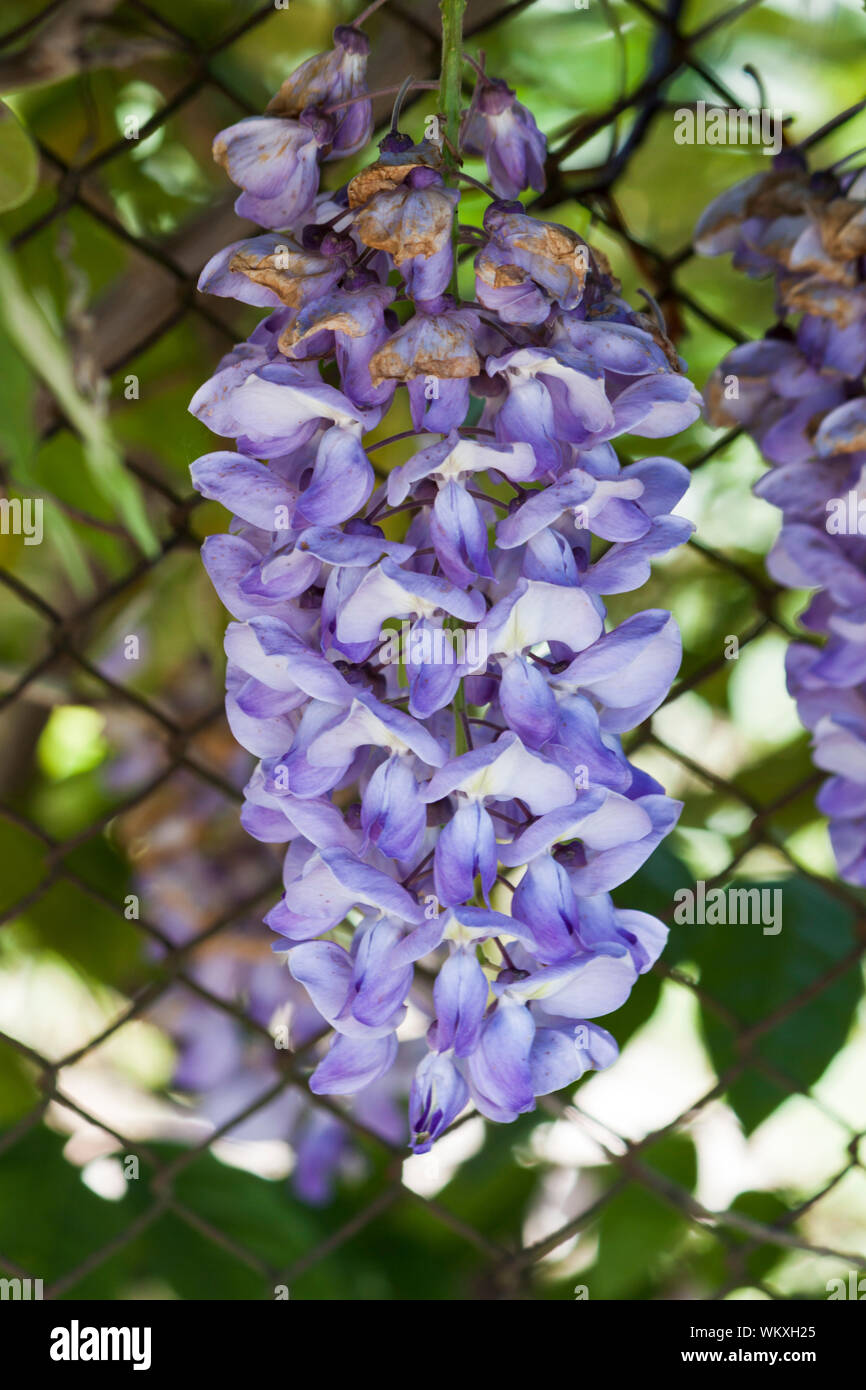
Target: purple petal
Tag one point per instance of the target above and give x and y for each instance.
(245, 487)
(460, 998)
(466, 848)
(499, 1066)
(438, 1095)
(353, 1063)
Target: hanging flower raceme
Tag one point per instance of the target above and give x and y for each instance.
(423, 667)
(799, 392)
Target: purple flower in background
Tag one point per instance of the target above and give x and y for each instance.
(799, 392)
(420, 657)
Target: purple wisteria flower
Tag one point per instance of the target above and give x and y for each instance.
(420, 661)
(799, 392)
(504, 133)
(274, 159)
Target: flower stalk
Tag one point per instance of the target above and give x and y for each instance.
(451, 78)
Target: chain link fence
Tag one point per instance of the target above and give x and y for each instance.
(140, 321)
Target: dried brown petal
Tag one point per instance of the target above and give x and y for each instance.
(815, 296)
(443, 350)
(498, 277)
(379, 223)
(391, 169)
(291, 274)
(843, 229)
(307, 86)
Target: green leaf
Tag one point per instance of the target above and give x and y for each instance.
(491, 1191)
(724, 1255)
(19, 162)
(638, 1227)
(754, 975)
(49, 1221)
(43, 348)
(17, 429)
(18, 443)
(17, 1092)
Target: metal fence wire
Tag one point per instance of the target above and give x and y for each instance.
(149, 304)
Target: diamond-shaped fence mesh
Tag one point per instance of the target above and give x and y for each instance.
(120, 783)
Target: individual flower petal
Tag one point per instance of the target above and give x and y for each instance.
(354, 548)
(460, 999)
(465, 850)
(332, 882)
(587, 987)
(455, 458)
(341, 483)
(293, 275)
(459, 535)
(628, 670)
(560, 1056)
(527, 702)
(369, 723)
(266, 649)
(246, 488)
(379, 986)
(277, 409)
(535, 613)
(391, 592)
(437, 344)
(502, 770)
(392, 813)
(499, 1066)
(353, 1063)
(325, 971)
(601, 819)
(438, 1095)
(276, 163)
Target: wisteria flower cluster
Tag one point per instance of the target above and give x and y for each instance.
(799, 391)
(420, 660)
(193, 866)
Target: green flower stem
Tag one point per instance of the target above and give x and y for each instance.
(450, 99)
(451, 77)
